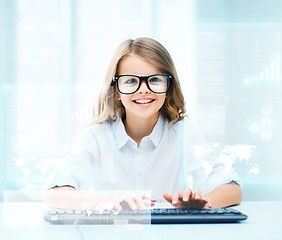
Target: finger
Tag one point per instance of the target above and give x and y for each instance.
(131, 203)
(149, 200)
(140, 202)
(117, 206)
(197, 194)
(146, 195)
(104, 206)
(208, 200)
(187, 194)
(167, 197)
(149, 204)
(175, 198)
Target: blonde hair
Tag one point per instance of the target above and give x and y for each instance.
(109, 108)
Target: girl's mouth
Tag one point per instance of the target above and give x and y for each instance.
(143, 101)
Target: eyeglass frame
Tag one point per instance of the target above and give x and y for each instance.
(144, 78)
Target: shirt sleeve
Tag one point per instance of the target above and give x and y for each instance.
(221, 174)
(207, 166)
(78, 169)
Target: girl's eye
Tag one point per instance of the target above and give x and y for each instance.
(155, 80)
(131, 81)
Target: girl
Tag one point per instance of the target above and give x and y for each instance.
(140, 141)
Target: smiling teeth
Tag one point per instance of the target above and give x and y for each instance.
(143, 101)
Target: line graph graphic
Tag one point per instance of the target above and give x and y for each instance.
(257, 67)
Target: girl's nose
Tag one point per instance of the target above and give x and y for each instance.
(143, 88)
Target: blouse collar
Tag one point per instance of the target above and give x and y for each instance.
(155, 136)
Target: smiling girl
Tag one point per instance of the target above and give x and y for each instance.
(140, 140)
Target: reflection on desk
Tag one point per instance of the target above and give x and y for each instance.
(18, 219)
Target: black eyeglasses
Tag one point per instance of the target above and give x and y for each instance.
(129, 84)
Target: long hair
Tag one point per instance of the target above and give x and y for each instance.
(151, 51)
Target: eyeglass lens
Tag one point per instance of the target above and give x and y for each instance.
(129, 84)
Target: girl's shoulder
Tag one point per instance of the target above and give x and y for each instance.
(179, 125)
(188, 127)
(94, 132)
(189, 124)
(98, 128)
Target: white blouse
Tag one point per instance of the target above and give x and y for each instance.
(168, 160)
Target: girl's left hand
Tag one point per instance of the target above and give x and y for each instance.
(188, 199)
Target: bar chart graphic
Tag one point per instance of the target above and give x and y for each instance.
(257, 67)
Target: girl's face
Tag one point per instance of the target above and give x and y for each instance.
(143, 103)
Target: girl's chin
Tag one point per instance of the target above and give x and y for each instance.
(145, 115)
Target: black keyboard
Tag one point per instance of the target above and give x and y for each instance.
(150, 216)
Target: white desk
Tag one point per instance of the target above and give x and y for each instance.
(21, 221)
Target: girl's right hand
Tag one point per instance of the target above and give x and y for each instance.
(133, 201)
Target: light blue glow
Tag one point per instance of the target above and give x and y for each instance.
(55, 54)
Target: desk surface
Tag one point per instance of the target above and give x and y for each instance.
(25, 221)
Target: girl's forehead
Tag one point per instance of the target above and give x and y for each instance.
(133, 64)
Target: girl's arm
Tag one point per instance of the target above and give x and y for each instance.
(225, 195)
(70, 198)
